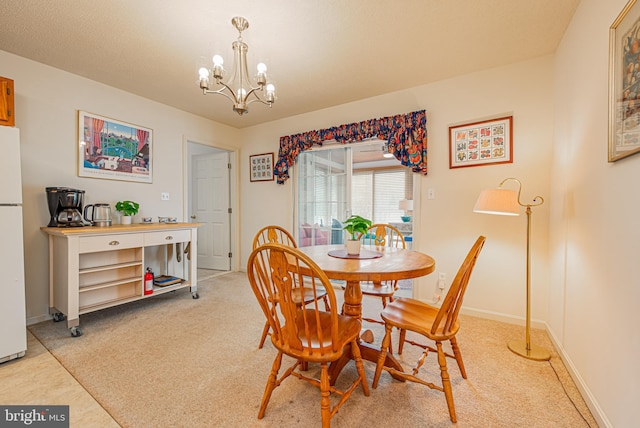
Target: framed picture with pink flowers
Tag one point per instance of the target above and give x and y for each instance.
(481, 143)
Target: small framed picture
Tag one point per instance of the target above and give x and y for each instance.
(481, 143)
(624, 85)
(261, 167)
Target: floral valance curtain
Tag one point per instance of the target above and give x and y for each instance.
(406, 135)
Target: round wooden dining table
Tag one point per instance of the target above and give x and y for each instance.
(374, 264)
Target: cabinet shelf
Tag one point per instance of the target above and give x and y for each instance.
(106, 304)
(110, 267)
(108, 284)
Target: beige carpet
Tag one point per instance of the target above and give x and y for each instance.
(175, 361)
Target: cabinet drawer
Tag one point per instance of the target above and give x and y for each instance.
(92, 244)
(166, 237)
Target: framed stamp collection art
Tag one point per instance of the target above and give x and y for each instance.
(481, 143)
(261, 167)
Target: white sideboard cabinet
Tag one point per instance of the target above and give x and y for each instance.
(92, 268)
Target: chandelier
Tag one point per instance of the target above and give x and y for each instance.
(239, 87)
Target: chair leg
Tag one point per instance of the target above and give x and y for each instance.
(384, 305)
(326, 304)
(271, 384)
(383, 354)
(265, 331)
(446, 382)
(403, 335)
(355, 353)
(458, 355)
(325, 392)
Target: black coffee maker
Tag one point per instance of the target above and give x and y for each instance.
(65, 207)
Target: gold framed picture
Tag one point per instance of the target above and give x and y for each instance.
(624, 83)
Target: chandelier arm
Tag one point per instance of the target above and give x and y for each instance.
(221, 92)
(260, 100)
(257, 97)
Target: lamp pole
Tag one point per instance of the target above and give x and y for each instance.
(526, 349)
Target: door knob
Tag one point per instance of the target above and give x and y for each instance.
(193, 217)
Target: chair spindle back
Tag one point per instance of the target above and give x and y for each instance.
(384, 235)
(274, 270)
(448, 313)
(274, 234)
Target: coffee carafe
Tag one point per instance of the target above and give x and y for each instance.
(100, 214)
(65, 207)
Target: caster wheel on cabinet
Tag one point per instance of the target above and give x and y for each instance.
(58, 316)
(76, 331)
(195, 295)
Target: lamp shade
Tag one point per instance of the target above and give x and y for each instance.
(498, 201)
(405, 204)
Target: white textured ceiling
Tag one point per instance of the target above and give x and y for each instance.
(320, 53)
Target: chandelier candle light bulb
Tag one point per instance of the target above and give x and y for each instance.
(239, 88)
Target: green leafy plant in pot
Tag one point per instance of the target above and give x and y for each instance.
(356, 226)
(128, 209)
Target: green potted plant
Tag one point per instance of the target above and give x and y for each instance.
(356, 226)
(127, 209)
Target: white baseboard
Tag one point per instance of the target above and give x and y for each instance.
(588, 397)
(38, 318)
(497, 316)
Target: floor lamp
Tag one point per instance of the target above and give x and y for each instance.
(507, 202)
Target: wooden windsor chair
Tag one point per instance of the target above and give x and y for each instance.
(277, 234)
(305, 333)
(436, 324)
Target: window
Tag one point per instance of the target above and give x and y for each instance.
(322, 196)
(336, 181)
(376, 193)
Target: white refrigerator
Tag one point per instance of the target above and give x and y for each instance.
(13, 318)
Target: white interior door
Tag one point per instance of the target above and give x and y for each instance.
(211, 208)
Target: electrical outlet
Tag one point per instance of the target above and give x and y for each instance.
(442, 277)
(164, 196)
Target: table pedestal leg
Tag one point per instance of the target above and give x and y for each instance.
(353, 307)
(353, 299)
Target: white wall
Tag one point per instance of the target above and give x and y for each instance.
(448, 225)
(584, 239)
(47, 103)
(595, 293)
